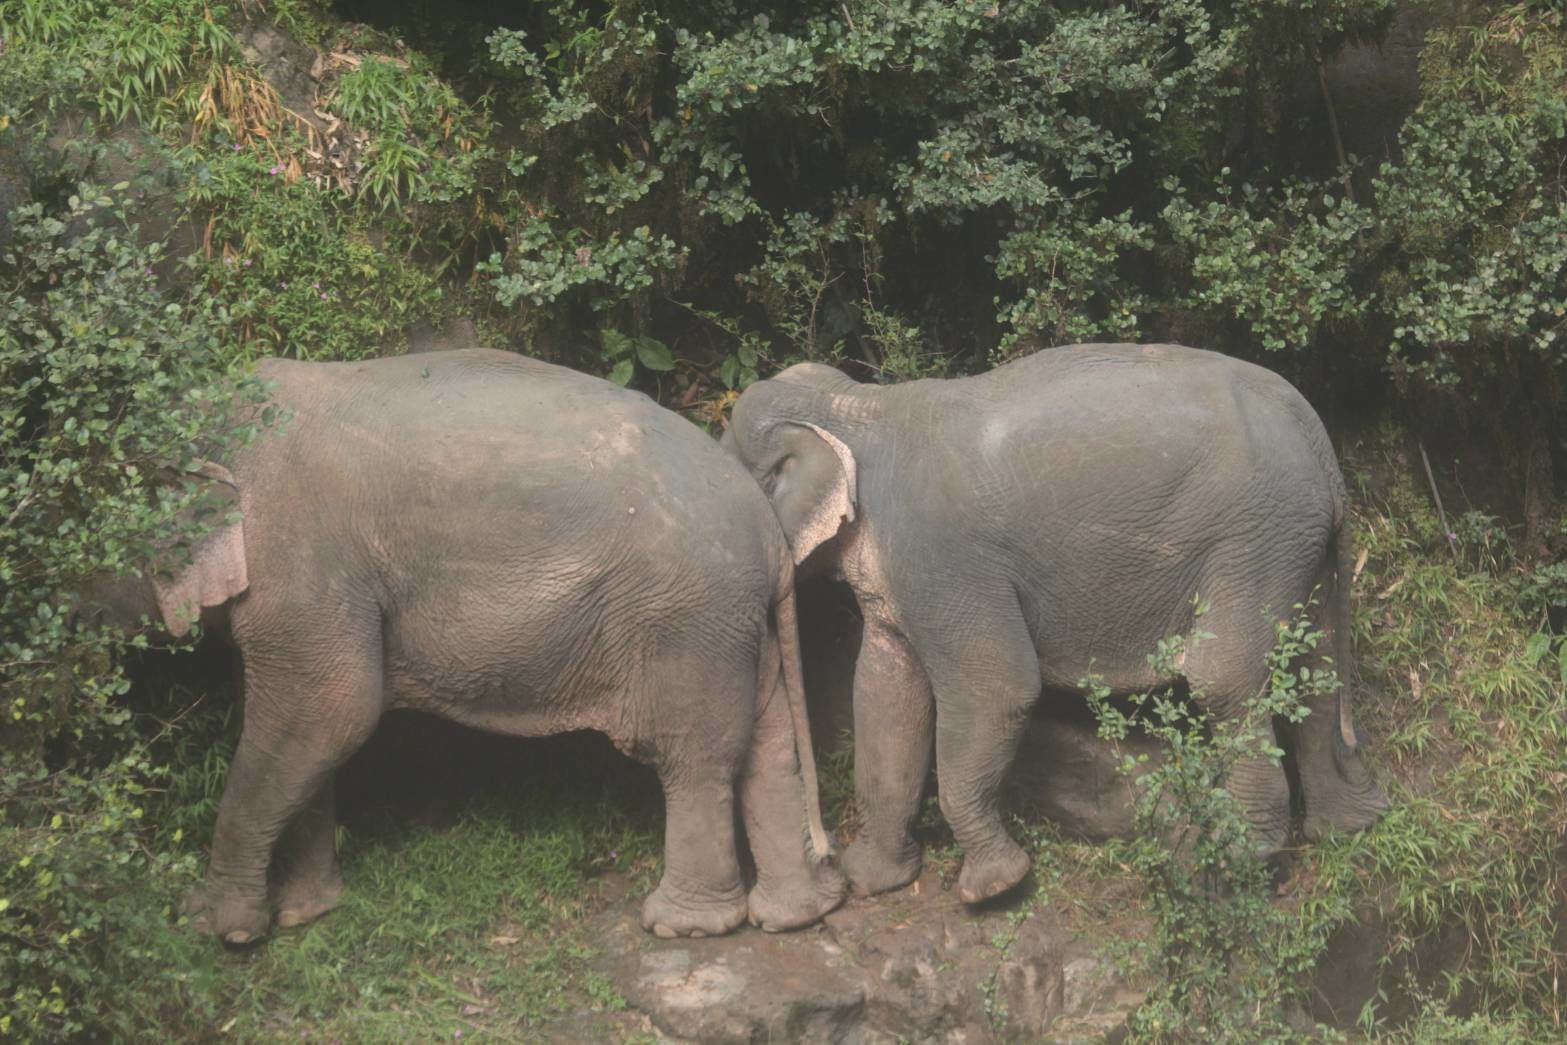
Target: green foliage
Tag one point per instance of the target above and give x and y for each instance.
(622, 354)
(1474, 740)
(425, 146)
(1281, 265)
(1014, 133)
(104, 386)
(1228, 959)
(1450, 277)
(1477, 209)
(297, 273)
(127, 60)
(936, 188)
(1434, 1026)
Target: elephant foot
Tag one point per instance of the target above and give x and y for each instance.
(300, 902)
(872, 870)
(988, 876)
(1337, 803)
(1268, 840)
(237, 921)
(668, 917)
(1262, 789)
(775, 908)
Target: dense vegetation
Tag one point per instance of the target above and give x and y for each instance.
(685, 197)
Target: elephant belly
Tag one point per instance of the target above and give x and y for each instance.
(1107, 621)
(517, 673)
(1109, 651)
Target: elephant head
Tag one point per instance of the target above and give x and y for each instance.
(791, 432)
(182, 580)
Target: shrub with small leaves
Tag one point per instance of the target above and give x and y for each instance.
(1227, 958)
(106, 389)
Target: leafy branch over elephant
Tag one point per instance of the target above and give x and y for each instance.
(522, 549)
(1054, 517)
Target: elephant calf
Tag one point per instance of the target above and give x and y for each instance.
(1051, 518)
(519, 548)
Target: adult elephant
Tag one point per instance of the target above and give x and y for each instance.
(1051, 518)
(519, 548)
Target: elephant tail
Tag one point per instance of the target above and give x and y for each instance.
(794, 685)
(1343, 621)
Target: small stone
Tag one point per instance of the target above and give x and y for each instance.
(1085, 984)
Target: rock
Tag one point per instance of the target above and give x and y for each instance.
(914, 965)
(741, 988)
(283, 62)
(1084, 984)
(1374, 87)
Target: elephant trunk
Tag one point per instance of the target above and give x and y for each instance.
(794, 685)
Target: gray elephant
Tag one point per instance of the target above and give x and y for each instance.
(522, 549)
(1051, 518)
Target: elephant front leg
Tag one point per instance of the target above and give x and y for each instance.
(700, 893)
(300, 725)
(894, 715)
(986, 682)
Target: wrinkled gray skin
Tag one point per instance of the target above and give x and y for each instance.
(1051, 518)
(522, 549)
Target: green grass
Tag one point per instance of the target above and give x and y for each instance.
(1466, 727)
(478, 922)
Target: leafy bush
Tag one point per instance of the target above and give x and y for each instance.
(1028, 136)
(1227, 958)
(146, 62)
(426, 145)
(104, 386)
(298, 273)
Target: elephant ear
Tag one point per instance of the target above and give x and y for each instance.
(814, 489)
(216, 570)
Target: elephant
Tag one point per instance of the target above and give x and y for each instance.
(1014, 532)
(523, 549)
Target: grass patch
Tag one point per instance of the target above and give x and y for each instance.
(474, 867)
(1464, 721)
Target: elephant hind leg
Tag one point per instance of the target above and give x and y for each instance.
(700, 893)
(1226, 671)
(1336, 788)
(791, 889)
(1339, 796)
(703, 705)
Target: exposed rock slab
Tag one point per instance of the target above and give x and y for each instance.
(915, 965)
